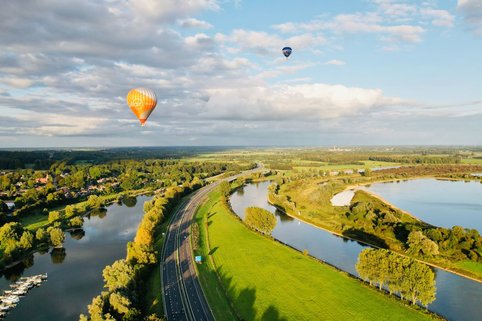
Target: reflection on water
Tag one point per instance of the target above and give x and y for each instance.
(438, 202)
(75, 270)
(457, 298)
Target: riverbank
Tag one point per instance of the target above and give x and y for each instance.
(252, 267)
(36, 221)
(458, 268)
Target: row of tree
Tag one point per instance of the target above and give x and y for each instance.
(124, 292)
(410, 279)
(16, 242)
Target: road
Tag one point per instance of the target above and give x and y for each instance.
(182, 293)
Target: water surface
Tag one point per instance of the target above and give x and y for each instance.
(75, 272)
(438, 202)
(458, 298)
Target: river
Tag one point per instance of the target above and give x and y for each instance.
(457, 298)
(75, 273)
(438, 202)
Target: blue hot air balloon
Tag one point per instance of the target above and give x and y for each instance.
(286, 51)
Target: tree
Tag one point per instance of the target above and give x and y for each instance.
(3, 207)
(119, 302)
(403, 275)
(418, 283)
(41, 235)
(260, 219)
(420, 244)
(195, 235)
(97, 307)
(10, 231)
(54, 216)
(119, 275)
(76, 222)
(225, 188)
(94, 201)
(70, 211)
(366, 265)
(57, 236)
(141, 253)
(26, 240)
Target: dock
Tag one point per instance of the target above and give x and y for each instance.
(11, 298)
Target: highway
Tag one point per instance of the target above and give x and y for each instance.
(183, 297)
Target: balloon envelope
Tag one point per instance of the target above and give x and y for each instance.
(286, 51)
(142, 102)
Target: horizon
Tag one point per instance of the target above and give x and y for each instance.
(235, 147)
(377, 72)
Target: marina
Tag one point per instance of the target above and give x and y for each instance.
(11, 298)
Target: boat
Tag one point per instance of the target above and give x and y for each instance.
(19, 292)
(10, 299)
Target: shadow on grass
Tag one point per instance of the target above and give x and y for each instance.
(242, 301)
(211, 214)
(213, 250)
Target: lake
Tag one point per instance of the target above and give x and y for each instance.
(458, 298)
(75, 273)
(438, 202)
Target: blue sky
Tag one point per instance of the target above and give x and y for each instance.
(361, 72)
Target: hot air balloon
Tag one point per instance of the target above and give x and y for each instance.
(142, 102)
(286, 51)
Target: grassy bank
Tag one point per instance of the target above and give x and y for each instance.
(309, 200)
(264, 280)
(37, 220)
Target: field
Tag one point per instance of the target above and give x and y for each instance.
(266, 280)
(474, 267)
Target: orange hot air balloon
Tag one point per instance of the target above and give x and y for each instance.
(142, 102)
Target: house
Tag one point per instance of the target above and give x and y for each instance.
(42, 180)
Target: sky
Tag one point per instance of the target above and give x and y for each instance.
(365, 72)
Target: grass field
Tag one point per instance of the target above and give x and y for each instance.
(153, 287)
(268, 281)
(476, 161)
(471, 266)
(211, 284)
(34, 221)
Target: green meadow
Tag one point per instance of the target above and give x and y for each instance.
(251, 277)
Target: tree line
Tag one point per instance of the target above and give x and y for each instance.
(123, 297)
(403, 276)
(16, 241)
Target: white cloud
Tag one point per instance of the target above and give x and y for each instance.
(392, 21)
(395, 9)
(65, 74)
(194, 23)
(264, 43)
(170, 10)
(440, 18)
(17, 82)
(335, 62)
(285, 102)
(371, 23)
(471, 10)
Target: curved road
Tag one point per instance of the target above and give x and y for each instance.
(182, 293)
